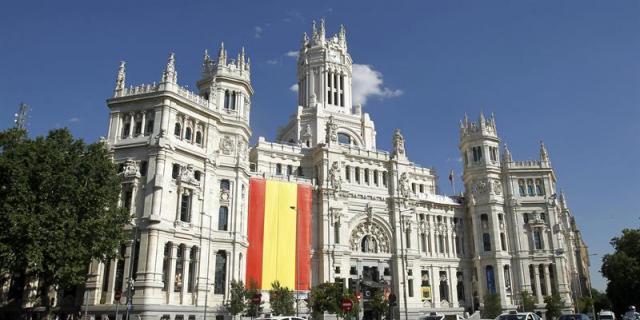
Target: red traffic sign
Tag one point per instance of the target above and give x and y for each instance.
(118, 295)
(256, 298)
(346, 305)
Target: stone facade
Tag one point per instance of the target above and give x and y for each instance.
(377, 222)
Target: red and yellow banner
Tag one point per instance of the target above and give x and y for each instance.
(279, 233)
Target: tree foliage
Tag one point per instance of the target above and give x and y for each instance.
(622, 268)
(325, 297)
(528, 302)
(378, 303)
(554, 305)
(253, 309)
(492, 307)
(600, 300)
(281, 299)
(59, 207)
(237, 302)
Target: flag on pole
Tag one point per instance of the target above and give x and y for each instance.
(451, 179)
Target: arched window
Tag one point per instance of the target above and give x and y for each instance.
(530, 188)
(484, 220)
(491, 284)
(537, 239)
(344, 138)
(185, 206)
(507, 278)
(166, 264)
(178, 280)
(539, 187)
(199, 137)
(193, 262)
(223, 218)
(521, 187)
(220, 272)
(177, 130)
(486, 242)
(187, 134)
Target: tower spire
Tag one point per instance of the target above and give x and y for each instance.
(206, 61)
(322, 30)
(544, 156)
(21, 116)
(121, 77)
(170, 74)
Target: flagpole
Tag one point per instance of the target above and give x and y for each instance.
(453, 181)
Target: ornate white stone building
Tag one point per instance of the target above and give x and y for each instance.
(378, 222)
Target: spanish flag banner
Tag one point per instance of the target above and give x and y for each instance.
(279, 233)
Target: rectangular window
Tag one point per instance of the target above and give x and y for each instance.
(185, 207)
(408, 239)
(125, 130)
(329, 96)
(521, 187)
(423, 242)
(175, 171)
(486, 242)
(220, 273)
(177, 284)
(413, 187)
(384, 178)
(278, 169)
(128, 195)
(357, 175)
(539, 187)
(441, 243)
(494, 153)
(503, 242)
(342, 99)
(366, 176)
(223, 218)
(421, 188)
(375, 177)
(410, 287)
(347, 173)
(336, 232)
(289, 170)
(138, 128)
(537, 239)
(149, 128)
(530, 188)
(143, 168)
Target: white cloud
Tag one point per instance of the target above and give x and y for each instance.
(257, 32)
(272, 61)
(367, 83)
(74, 119)
(292, 54)
(294, 87)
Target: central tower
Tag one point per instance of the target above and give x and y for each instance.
(324, 81)
(324, 71)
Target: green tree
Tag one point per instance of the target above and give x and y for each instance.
(528, 302)
(237, 302)
(600, 300)
(325, 297)
(492, 307)
(281, 299)
(253, 309)
(379, 305)
(554, 305)
(622, 268)
(59, 208)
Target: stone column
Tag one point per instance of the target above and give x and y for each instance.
(536, 280)
(451, 252)
(127, 266)
(132, 122)
(435, 286)
(547, 278)
(186, 260)
(111, 284)
(172, 272)
(143, 124)
(158, 183)
(151, 256)
(453, 287)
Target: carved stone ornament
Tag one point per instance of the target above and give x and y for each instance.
(187, 176)
(226, 145)
(481, 186)
(331, 131)
(398, 143)
(243, 150)
(497, 187)
(404, 185)
(372, 236)
(130, 169)
(335, 178)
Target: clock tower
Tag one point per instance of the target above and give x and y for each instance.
(324, 94)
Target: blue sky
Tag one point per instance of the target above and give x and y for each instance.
(565, 72)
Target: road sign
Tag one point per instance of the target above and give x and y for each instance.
(346, 305)
(118, 295)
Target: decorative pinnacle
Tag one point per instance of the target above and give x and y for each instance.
(544, 156)
(120, 79)
(222, 54)
(322, 29)
(170, 74)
